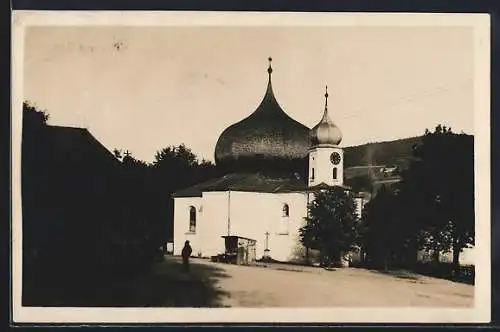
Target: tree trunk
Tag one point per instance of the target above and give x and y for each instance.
(308, 261)
(435, 256)
(412, 253)
(456, 253)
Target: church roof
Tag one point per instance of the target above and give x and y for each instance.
(322, 186)
(250, 182)
(268, 137)
(326, 132)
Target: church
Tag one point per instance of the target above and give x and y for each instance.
(272, 166)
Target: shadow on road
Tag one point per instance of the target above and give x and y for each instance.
(464, 274)
(400, 274)
(165, 285)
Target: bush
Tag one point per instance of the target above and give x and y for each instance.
(464, 274)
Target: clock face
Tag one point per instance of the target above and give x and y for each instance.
(335, 158)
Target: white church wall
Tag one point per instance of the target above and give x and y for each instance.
(215, 216)
(254, 214)
(181, 223)
(250, 216)
(211, 223)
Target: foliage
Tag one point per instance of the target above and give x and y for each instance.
(331, 225)
(33, 116)
(72, 223)
(174, 168)
(360, 183)
(386, 235)
(439, 190)
(150, 186)
(434, 209)
(85, 213)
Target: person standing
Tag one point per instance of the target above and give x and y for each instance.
(186, 253)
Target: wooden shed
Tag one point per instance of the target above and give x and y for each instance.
(242, 250)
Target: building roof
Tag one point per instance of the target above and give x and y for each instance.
(322, 186)
(374, 172)
(250, 182)
(73, 144)
(266, 138)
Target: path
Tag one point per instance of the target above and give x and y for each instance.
(280, 285)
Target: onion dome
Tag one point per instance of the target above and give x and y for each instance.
(266, 139)
(325, 132)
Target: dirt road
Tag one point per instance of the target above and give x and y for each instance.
(280, 285)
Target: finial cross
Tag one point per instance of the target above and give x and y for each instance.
(127, 153)
(267, 239)
(326, 96)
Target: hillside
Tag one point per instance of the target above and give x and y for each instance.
(371, 165)
(390, 153)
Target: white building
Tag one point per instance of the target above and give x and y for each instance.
(272, 164)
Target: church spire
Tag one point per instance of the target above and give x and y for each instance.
(326, 118)
(269, 104)
(270, 69)
(326, 132)
(326, 99)
(269, 91)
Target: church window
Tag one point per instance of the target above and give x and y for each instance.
(312, 174)
(192, 219)
(286, 210)
(334, 173)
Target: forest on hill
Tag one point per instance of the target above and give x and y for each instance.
(389, 153)
(399, 154)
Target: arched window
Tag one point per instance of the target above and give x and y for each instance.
(192, 219)
(286, 210)
(312, 173)
(335, 173)
(285, 220)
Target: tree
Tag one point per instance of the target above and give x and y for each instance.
(35, 175)
(331, 224)
(360, 183)
(386, 235)
(174, 168)
(439, 191)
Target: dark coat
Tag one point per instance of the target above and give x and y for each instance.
(186, 251)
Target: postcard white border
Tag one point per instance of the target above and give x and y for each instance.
(481, 310)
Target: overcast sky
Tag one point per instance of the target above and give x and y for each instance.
(145, 88)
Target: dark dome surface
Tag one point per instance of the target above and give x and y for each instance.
(266, 139)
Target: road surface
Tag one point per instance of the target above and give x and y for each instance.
(280, 285)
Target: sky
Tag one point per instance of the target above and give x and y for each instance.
(146, 88)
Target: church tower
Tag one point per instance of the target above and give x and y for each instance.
(326, 158)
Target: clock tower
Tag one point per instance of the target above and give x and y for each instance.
(326, 158)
